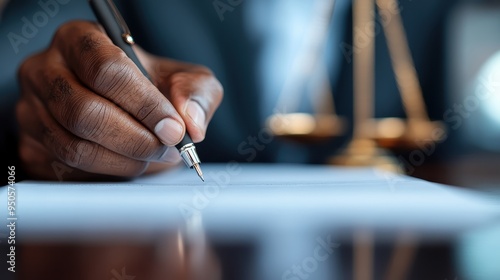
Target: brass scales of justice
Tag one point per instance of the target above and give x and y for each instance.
(371, 137)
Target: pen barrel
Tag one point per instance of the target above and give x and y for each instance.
(185, 141)
(107, 15)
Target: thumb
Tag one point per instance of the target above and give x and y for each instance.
(195, 95)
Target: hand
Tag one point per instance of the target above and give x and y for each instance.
(87, 112)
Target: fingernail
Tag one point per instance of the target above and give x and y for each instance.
(171, 155)
(169, 131)
(196, 113)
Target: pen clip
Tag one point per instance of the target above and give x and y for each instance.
(126, 36)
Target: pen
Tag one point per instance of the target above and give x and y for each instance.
(110, 18)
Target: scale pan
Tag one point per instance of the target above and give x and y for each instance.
(398, 134)
(306, 128)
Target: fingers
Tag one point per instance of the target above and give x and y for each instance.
(107, 71)
(41, 164)
(83, 102)
(71, 150)
(92, 117)
(195, 94)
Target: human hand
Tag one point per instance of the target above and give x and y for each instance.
(87, 111)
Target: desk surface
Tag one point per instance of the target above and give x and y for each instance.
(244, 199)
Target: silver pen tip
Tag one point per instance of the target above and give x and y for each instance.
(196, 167)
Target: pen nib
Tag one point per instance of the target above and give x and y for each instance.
(196, 167)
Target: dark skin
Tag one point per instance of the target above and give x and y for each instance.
(86, 111)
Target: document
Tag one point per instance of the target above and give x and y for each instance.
(249, 198)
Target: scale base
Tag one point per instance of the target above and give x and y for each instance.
(364, 152)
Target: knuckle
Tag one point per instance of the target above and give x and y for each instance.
(143, 147)
(90, 42)
(181, 77)
(49, 137)
(108, 71)
(184, 82)
(26, 69)
(85, 116)
(73, 156)
(146, 109)
(65, 29)
(62, 30)
(58, 89)
(181, 82)
(34, 70)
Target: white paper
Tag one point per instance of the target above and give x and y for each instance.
(248, 199)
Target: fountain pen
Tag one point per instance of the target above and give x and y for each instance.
(110, 18)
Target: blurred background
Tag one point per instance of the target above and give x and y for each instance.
(419, 61)
(412, 86)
